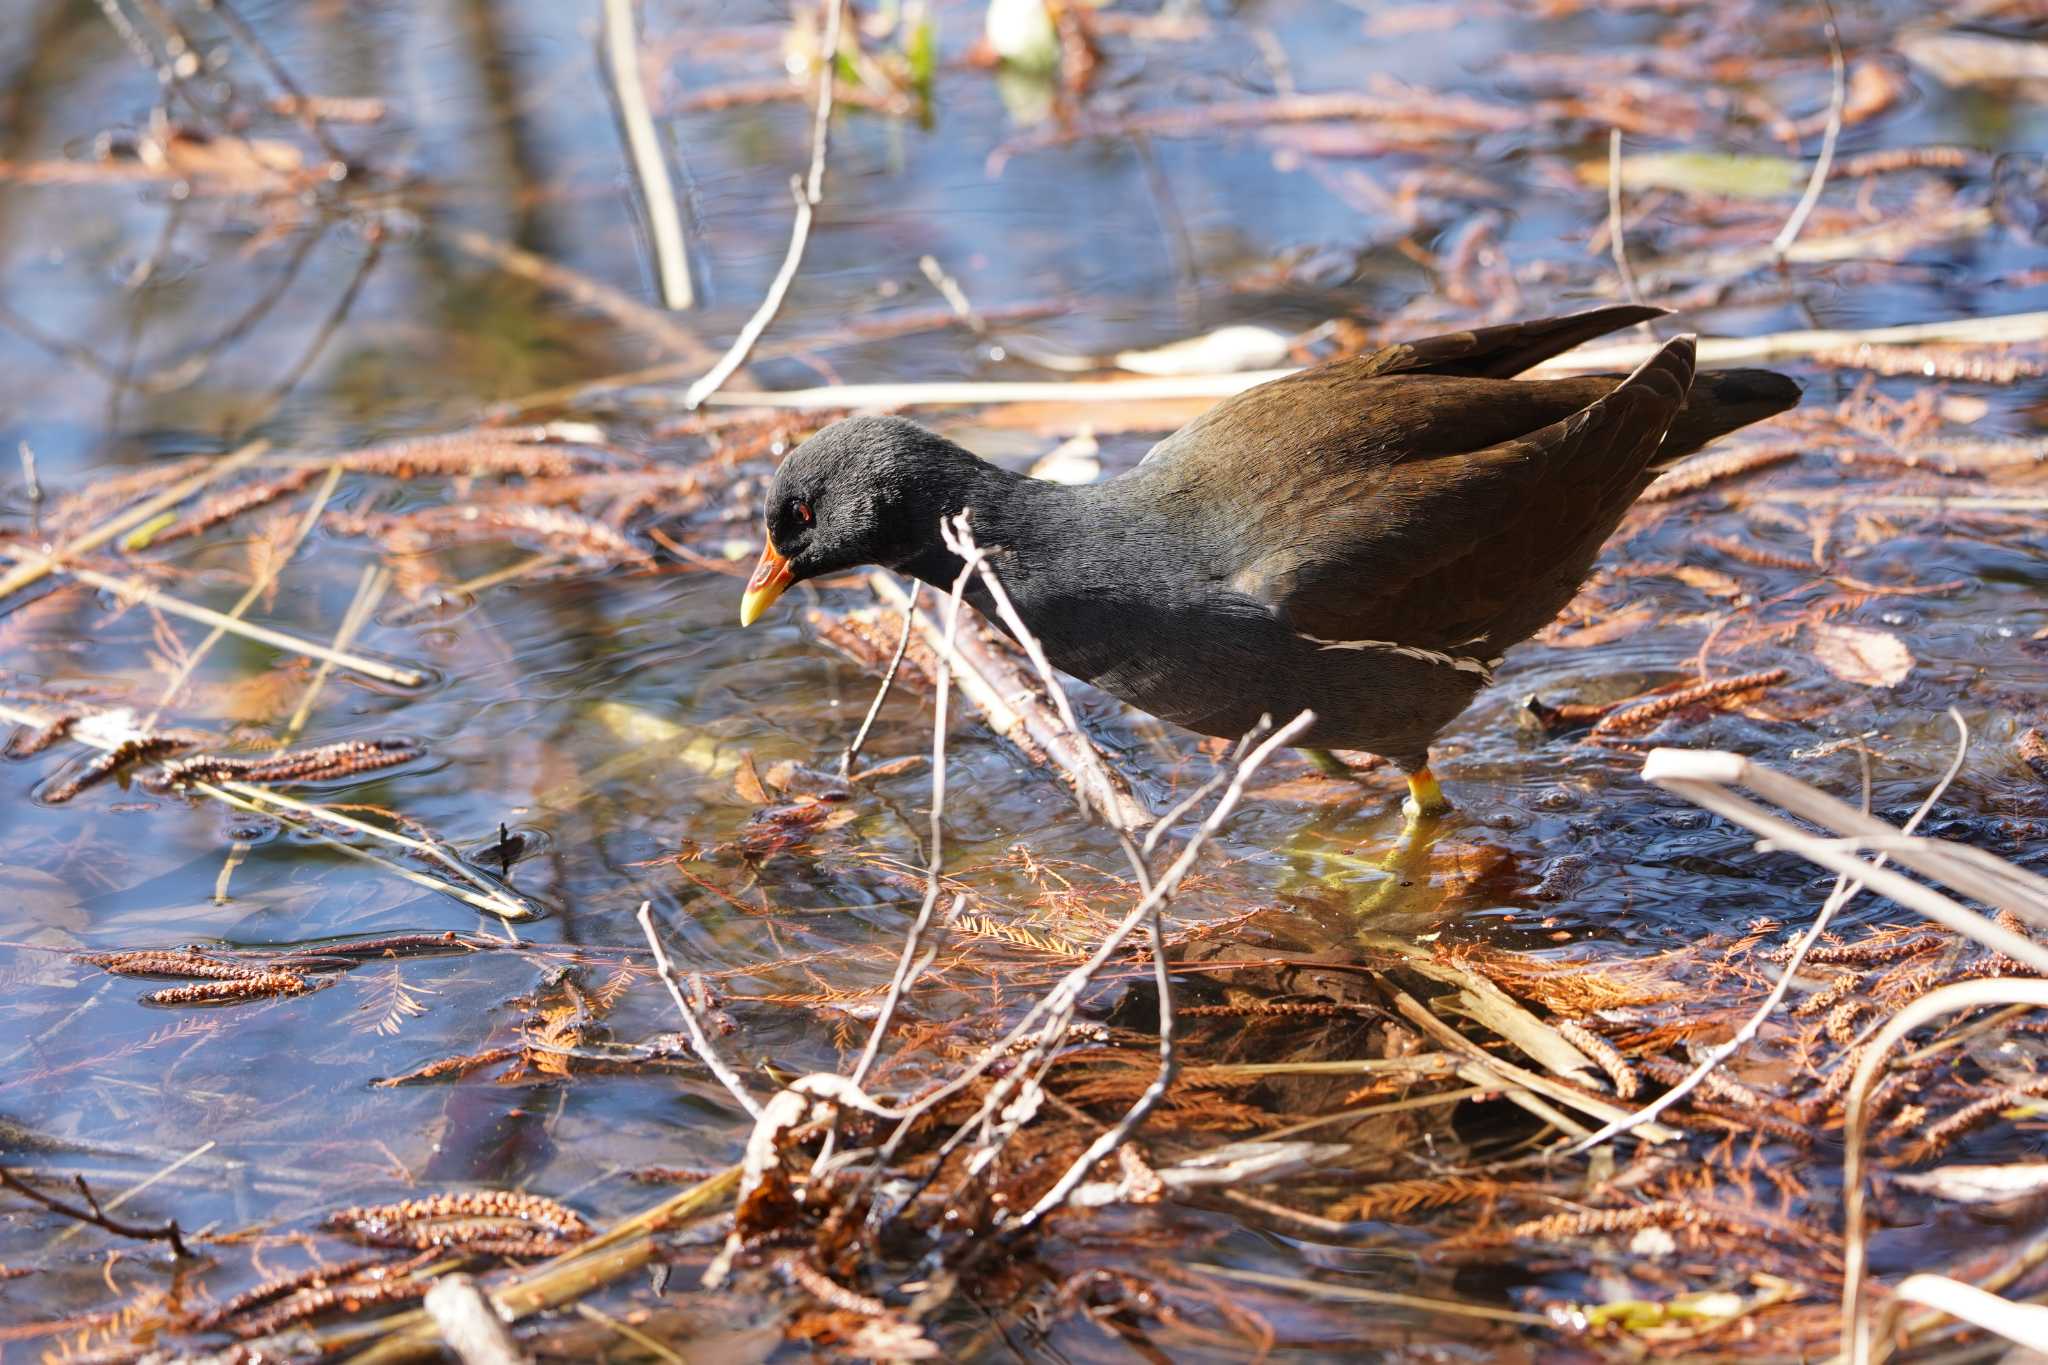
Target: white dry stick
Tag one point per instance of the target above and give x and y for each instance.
(1964, 995)
(1703, 777)
(1098, 795)
(908, 967)
(1097, 798)
(469, 1323)
(1997, 329)
(650, 168)
(1617, 241)
(34, 485)
(867, 722)
(698, 1039)
(949, 289)
(2024, 1324)
(1150, 910)
(807, 193)
(369, 591)
(1789, 234)
(1845, 890)
(108, 730)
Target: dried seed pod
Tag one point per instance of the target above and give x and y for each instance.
(396, 945)
(309, 1303)
(1701, 471)
(450, 1066)
(26, 743)
(1843, 1019)
(1753, 555)
(1906, 159)
(260, 986)
(2034, 753)
(105, 765)
(1558, 1227)
(1641, 716)
(313, 1277)
(227, 505)
(565, 532)
(149, 962)
(1871, 952)
(528, 452)
(325, 762)
(800, 1272)
(1838, 990)
(1604, 1054)
(1937, 1138)
(512, 1204)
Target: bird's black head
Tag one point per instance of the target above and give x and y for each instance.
(869, 490)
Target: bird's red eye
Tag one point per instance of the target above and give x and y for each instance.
(803, 513)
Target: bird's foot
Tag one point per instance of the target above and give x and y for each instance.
(1425, 797)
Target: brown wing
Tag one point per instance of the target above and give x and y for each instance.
(1465, 549)
(1505, 351)
(1351, 403)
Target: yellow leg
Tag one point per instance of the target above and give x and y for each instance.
(1329, 764)
(1425, 797)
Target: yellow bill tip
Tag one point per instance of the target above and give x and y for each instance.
(772, 577)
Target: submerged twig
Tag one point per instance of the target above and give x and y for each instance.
(135, 590)
(260, 585)
(94, 1215)
(1617, 240)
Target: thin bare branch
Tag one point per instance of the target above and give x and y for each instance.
(699, 1040)
(1617, 239)
(867, 722)
(807, 193)
(1789, 234)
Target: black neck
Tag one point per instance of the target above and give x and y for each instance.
(1005, 511)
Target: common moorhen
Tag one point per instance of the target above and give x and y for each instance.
(1364, 538)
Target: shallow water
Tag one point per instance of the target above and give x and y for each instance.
(601, 717)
